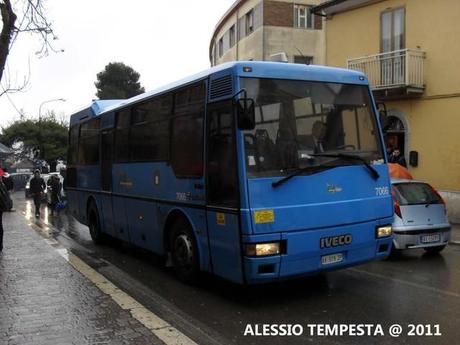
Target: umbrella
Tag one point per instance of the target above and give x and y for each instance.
(398, 171)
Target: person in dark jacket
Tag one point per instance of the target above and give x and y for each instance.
(5, 205)
(397, 157)
(9, 184)
(56, 187)
(8, 180)
(37, 187)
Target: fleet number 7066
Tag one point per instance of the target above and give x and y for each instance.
(379, 191)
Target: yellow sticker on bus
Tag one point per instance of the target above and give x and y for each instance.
(265, 216)
(220, 219)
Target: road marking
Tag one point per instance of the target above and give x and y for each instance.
(159, 327)
(405, 282)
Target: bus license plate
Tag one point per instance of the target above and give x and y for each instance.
(431, 238)
(331, 259)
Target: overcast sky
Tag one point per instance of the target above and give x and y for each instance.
(163, 40)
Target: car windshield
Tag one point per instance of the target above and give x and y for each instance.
(415, 194)
(296, 119)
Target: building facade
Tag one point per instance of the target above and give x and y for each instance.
(409, 51)
(267, 30)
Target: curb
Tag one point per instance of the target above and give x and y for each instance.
(457, 243)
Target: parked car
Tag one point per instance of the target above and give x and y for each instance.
(420, 219)
(28, 194)
(20, 180)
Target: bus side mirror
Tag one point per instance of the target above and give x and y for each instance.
(246, 115)
(383, 116)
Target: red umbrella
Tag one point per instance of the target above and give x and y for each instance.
(398, 171)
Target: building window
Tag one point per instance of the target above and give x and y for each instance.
(249, 22)
(303, 18)
(392, 34)
(232, 36)
(221, 47)
(306, 60)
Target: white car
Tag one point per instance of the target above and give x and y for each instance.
(420, 219)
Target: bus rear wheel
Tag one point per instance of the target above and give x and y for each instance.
(94, 225)
(184, 252)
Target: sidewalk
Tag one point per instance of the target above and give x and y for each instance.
(44, 300)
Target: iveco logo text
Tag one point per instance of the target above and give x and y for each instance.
(333, 189)
(335, 241)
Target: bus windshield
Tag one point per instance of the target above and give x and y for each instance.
(297, 119)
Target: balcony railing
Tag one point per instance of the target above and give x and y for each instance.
(395, 69)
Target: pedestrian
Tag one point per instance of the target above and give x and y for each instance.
(56, 188)
(8, 180)
(397, 157)
(9, 184)
(5, 205)
(37, 188)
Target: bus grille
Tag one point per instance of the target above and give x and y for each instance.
(221, 87)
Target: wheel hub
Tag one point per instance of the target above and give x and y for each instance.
(183, 250)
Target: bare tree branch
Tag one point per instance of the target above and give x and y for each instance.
(30, 19)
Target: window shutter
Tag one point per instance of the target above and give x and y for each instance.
(318, 22)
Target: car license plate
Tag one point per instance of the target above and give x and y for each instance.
(331, 259)
(431, 238)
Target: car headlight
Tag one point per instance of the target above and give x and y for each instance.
(263, 249)
(383, 231)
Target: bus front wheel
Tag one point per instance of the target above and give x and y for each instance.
(184, 252)
(95, 225)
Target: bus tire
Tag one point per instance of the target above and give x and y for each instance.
(94, 225)
(184, 252)
(434, 250)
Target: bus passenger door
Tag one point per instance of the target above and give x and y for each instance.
(106, 180)
(222, 193)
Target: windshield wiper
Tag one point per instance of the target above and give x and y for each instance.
(374, 173)
(317, 169)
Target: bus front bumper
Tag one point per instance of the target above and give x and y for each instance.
(302, 254)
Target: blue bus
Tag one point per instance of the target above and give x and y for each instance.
(252, 171)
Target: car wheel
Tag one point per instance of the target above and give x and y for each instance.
(184, 252)
(95, 225)
(434, 250)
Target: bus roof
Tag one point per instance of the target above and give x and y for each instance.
(258, 69)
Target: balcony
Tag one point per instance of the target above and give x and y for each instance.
(393, 75)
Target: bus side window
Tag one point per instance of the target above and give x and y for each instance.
(123, 119)
(222, 177)
(88, 150)
(187, 131)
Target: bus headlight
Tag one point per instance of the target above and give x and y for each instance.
(263, 249)
(383, 231)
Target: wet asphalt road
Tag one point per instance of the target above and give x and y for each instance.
(415, 288)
